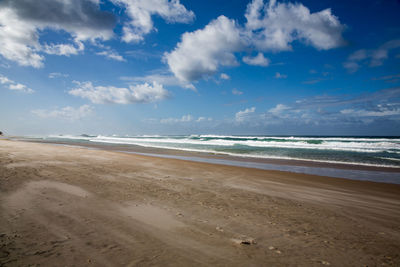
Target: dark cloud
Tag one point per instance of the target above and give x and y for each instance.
(74, 15)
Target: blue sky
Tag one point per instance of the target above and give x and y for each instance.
(200, 67)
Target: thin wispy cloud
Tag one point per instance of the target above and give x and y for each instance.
(110, 54)
(371, 58)
(329, 110)
(236, 92)
(163, 78)
(395, 78)
(54, 75)
(278, 75)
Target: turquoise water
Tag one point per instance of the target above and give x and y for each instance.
(369, 151)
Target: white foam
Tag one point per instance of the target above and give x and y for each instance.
(215, 143)
(267, 156)
(363, 139)
(366, 147)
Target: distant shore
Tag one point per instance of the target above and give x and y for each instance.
(82, 206)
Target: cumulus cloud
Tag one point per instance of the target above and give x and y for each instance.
(63, 49)
(243, 115)
(270, 27)
(67, 113)
(274, 26)
(200, 53)
(23, 21)
(258, 60)
(140, 93)
(373, 57)
(12, 85)
(140, 13)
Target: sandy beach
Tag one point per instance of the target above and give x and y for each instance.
(74, 206)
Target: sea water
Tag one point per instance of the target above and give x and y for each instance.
(368, 151)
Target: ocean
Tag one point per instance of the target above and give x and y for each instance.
(366, 151)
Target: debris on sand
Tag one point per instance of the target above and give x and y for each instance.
(245, 241)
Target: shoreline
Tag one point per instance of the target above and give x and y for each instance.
(333, 170)
(79, 206)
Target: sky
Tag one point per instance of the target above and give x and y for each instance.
(133, 67)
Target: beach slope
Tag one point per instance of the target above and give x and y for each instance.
(75, 206)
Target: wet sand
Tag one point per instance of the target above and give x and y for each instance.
(73, 206)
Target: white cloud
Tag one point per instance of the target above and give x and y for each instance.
(111, 54)
(68, 113)
(140, 13)
(22, 22)
(327, 111)
(269, 27)
(63, 49)
(12, 85)
(380, 54)
(258, 60)
(161, 78)
(20, 87)
(201, 52)
(388, 78)
(140, 93)
(225, 76)
(54, 75)
(5, 80)
(244, 115)
(381, 112)
(373, 57)
(279, 109)
(274, 26)
(185, 119)
(352, 63)
(201, 119)
(236, 92)
(280, 76)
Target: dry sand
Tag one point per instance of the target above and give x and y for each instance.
(68, 206)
